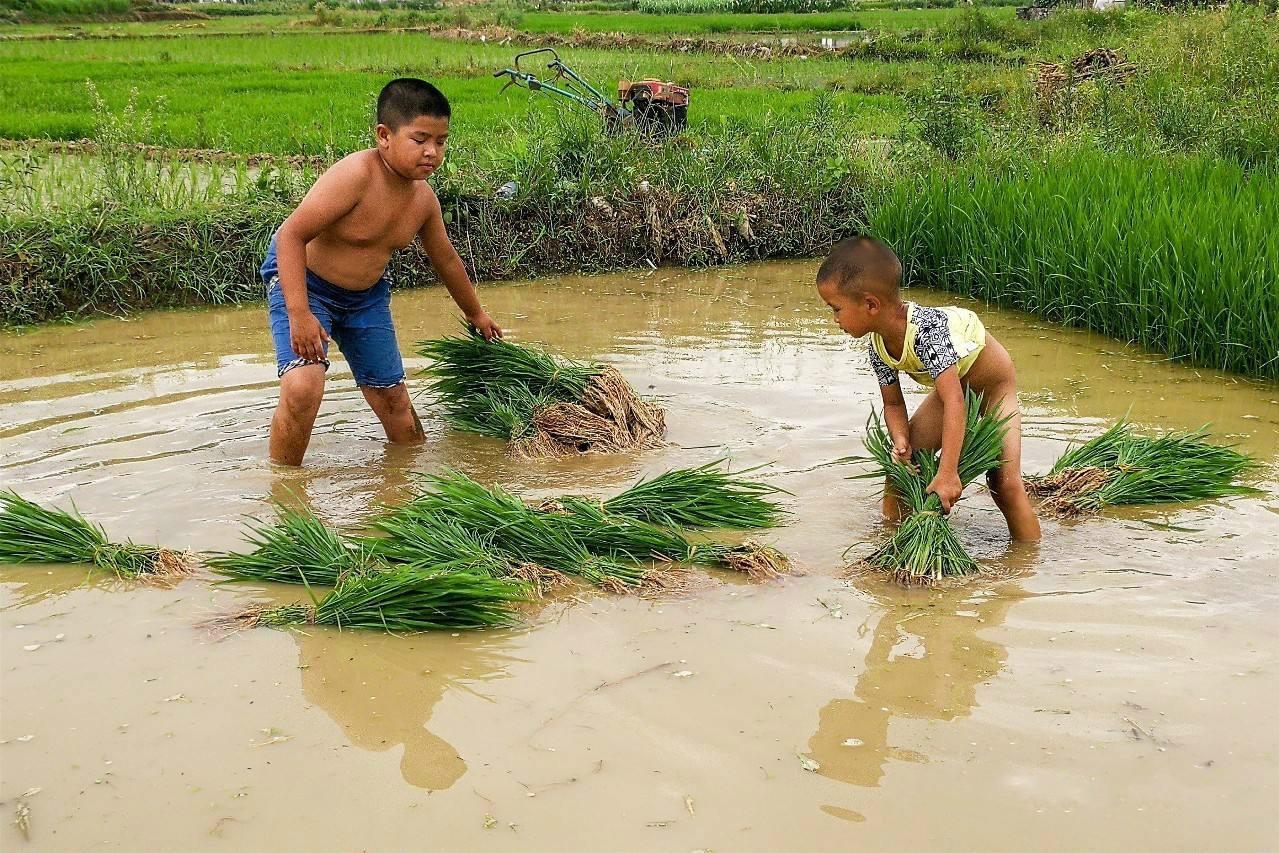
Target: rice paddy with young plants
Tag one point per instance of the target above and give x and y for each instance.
(30, 533)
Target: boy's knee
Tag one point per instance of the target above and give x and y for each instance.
(1005, 486)
(302, 390)
(390, 402)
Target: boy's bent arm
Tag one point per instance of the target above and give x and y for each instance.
(897, 419)
(449, 267)
(333, 196)
(954, 418)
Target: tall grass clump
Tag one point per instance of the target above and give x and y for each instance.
(400, 600)
(924, 548)
(30, 533)
(1179, 255)
(544, 405)
(1120, 467)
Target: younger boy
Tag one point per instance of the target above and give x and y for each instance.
(326, 269)
(947, 348)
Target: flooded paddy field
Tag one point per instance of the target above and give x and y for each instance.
(1113, 689)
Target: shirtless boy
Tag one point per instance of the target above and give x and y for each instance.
(326, 269)
(947, 348)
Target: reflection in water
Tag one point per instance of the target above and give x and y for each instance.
(925, 662)
(382, 689)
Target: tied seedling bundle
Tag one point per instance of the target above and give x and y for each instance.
(700, 498)
(924, 547)
(544, 405)
(511, 530)
(588, 539)
(296, 548)
(30, 533)
(1119, 467)
(401, 599)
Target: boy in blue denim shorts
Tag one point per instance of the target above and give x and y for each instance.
(326, 269)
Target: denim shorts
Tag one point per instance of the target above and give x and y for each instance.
(358, 321)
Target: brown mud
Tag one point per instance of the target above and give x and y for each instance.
(1113, 689)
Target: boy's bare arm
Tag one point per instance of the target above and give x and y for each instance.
(449, 267)
(333, 196)
(897, 419)
(946, 484)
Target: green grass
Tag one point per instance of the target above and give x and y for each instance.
(1178, 255)
(314, 94)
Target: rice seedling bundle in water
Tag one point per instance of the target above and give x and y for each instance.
(402, 599)
(924, 547)
(296, 548)
(544, 405)
(1119, 467)
(428, 541)
(30, 533)
(513, 530)
(700, 498)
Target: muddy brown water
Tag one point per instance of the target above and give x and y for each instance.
(1116, 692)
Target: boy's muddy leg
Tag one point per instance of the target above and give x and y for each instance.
(301, 390)
(395, 410)
(1006, 484)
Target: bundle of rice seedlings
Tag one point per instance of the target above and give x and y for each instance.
(30, 533)
(429, 541)
(924, 548)
(296, 548)
(401, 600)
(699, 498)
(516, 531)
(544, 405)
(626, 538)
(1119, 467)
(756, 560)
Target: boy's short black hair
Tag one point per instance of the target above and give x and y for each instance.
(862, 265)
(406, 98)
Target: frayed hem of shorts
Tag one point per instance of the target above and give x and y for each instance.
(301, 362)
(394, 384)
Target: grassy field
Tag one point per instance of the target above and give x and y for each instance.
(1100, 240)
(927, 130)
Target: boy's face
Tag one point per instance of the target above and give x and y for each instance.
(414, 150)
(855, 313)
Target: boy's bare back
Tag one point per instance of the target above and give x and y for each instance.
(360, 213)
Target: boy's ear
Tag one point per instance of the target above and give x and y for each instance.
(383, 134)
(873, 302)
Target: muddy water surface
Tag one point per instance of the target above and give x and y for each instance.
(1115, 691)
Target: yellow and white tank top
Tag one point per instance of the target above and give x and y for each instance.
(936, 339)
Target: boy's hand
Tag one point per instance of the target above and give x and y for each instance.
(902, 451)
(307, 336)
(484, 324)
(947, 487)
